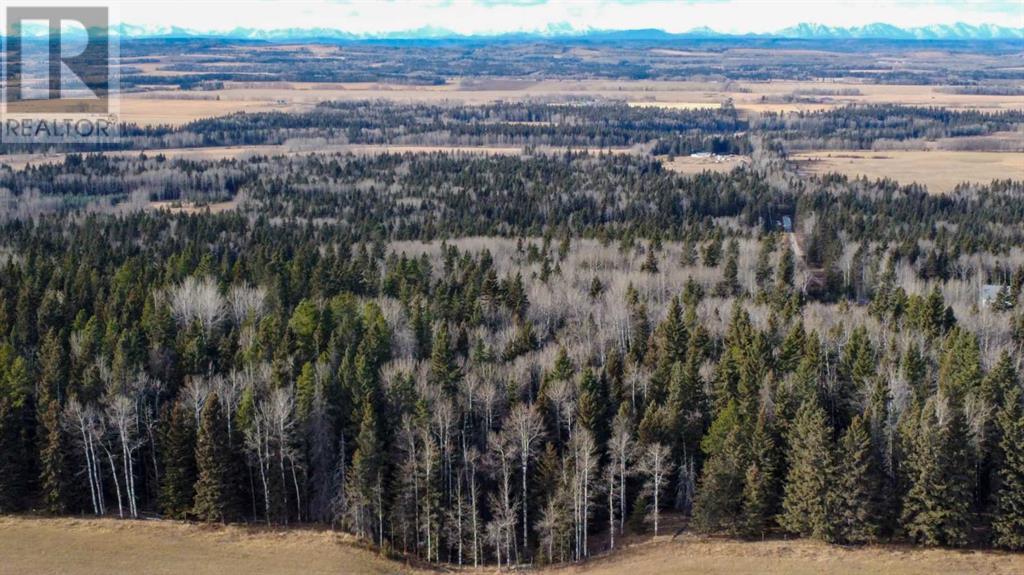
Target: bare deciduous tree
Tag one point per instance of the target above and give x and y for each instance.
(198, 300)
(655, 464)
(528, 426)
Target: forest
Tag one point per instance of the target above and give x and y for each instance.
(514, 359)
(598, 124)
(633, 57)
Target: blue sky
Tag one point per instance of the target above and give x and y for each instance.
(500, 16)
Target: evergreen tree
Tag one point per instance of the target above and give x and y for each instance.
(178, 481)
(593, 405)
(730, 284)
(55, 476)
(364, 488)
(720, 493)
(857, 486)
(960, 368)
(763, 267)
(760, 486)
(650, 264)
(213, 490)
(1008, 525)
(786, 271)
(444, 372)
(11, 461)
(936, 509)
(808, 507)
(53, 370)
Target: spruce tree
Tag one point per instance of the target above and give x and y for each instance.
(719, 502)
(593, 404)
(364, 477)
(55, 477)
(729, 286)
(936, 509)
(759, 497)
(650, 264)
(1008, 525)
(213, 488)
(444, 372)
(11, 480)
(177, 484)
(807, 508)
(858, 485)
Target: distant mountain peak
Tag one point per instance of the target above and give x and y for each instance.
(803, 30)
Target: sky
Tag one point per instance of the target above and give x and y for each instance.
(503, 16)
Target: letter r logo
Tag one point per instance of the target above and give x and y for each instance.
(57, 60)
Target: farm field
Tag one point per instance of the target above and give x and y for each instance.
(174, 107)
(940, 170)
(696, 165)
(101, 546)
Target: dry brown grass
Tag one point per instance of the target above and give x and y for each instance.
(31, 546)
(173, 109)
(690, 555)
(166, 106)
(691, 165)
(941, 171)
(106, 546)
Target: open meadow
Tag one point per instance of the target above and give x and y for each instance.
(174, 107)
(103, 546)
(939, 170)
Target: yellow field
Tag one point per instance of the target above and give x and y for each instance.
(103, 547)
(940, 170)
(31, 546)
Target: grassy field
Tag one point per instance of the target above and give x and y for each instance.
(175, 107)
(692, 165)
(30, 546)
(940, 170)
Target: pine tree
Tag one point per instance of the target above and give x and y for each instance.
(960, 368)
(53, 370)
(177, 484)
(808, 508)
(1008, 524)
(11, 479)
(444, 372)
(686, 400)
(936, 509)
(650, 264)
(786, 270)
(730, 284)
(718, 505)
(759, 488)
(213, 487)
(55, 477)
(763, 268)
(858, 485)
(364, 489)
(17, 432)
(592, 405)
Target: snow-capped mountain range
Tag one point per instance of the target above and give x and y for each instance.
(809, 31)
